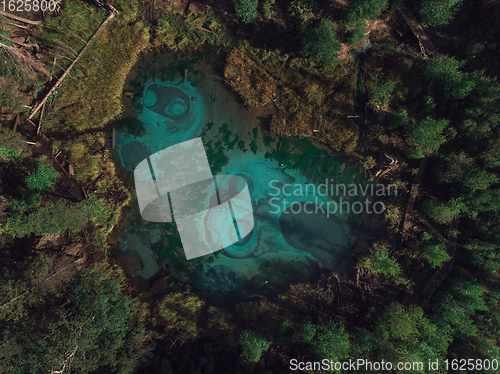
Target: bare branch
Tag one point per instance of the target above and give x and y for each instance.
(27, 45)
(8, 15)
(32, 63)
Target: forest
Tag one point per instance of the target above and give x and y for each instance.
(405, 92)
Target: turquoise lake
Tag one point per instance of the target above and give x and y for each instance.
(291, 239)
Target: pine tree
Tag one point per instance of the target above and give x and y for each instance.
(380, 262)
(437, 12)
(43, 178)
(454, 83)
(427, 136)
(320, 44)
(358, 11)
(332, 341)
(444, 212)
(406, 334)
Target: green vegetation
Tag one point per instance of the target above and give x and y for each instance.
(437, 12)
(320, 43)
(168, 34)
(444, 212)
(357, 34)
(253, 142)
(427, 136)
(252, 345)
(371, 107)
(177, 314)
(321, 98)
(246, 9)
(301, 11)
(97, 331)
(12, 145)
(43, 178)
(49, 219)
(433, 251)
(404, 333)
(360, 10)
(455, 83)
(331, 341)
(380, 262)
(307, 332)
(267, 9)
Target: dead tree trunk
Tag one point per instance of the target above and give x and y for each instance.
(11, 16)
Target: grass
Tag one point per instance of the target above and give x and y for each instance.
(307, 96)
(92, 96)
(94, 163)
(176, 36)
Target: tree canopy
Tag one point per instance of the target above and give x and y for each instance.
(427, 136)
(437, 12)
(320, 44)
(358, 11)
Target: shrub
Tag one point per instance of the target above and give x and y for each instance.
(246, 9)
(331, 341)
(379, 262)
(43, 178)
(11, 145)
(307, 332)
(50, 219)
(253, 345)
(381, 94)
(301, 11)
(267, 9)
(398, 119)
(178, 315)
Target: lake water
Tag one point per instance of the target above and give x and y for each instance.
(292, 239)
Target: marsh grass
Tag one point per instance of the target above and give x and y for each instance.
(176, 35)
(308, 97)
(93, 96)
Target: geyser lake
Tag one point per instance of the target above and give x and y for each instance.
(291, 240)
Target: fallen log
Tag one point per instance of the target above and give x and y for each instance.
(204, 29)
(16, 122)
(60, 166)
(67, 197)
(17, 18)
(31, 122)
(40, 120)
(27, 45)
